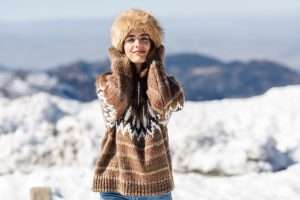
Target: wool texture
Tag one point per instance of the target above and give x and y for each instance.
(134, 155)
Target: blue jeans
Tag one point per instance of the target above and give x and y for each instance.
(118, 196)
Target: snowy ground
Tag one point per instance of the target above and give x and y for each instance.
(72, 183)
(227, 149)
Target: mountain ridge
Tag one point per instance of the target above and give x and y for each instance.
(202, 77)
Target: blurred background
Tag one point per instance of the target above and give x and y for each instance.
(238, 62)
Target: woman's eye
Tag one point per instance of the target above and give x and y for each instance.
(130, 40)
(145, 39)
(142, 39)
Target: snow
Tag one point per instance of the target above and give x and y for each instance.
(73, 183)
(236, 136)
(223, 149)
(14, 85)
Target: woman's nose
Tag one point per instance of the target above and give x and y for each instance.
(137, 42)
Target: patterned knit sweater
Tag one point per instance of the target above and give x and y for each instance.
(134, 157)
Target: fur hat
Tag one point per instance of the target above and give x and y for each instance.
(135, 20)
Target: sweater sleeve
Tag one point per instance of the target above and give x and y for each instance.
(113, 100)
(165, 94)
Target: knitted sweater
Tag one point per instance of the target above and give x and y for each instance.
(134, 157)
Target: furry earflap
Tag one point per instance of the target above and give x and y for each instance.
(135, 20)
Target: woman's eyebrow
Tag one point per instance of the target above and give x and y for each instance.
(131, 35)
(143, 34)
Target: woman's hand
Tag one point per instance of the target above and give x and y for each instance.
(157, 54)
(120, 63)
(123, 72)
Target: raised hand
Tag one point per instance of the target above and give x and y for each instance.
(157, 54)
(120, 63)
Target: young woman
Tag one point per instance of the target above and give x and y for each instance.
(137, 98)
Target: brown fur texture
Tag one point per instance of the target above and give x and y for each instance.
(135, 20)
(120, 63)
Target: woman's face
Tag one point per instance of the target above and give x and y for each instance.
(137, 46)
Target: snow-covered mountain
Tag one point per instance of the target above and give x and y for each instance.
(235, 145)
(47, 43)
(202, 77)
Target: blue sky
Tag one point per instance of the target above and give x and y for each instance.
(28, 10)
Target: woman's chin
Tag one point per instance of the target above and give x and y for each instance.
(138, 61)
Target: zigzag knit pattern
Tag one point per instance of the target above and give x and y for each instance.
(132, 124)
(134, 155)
